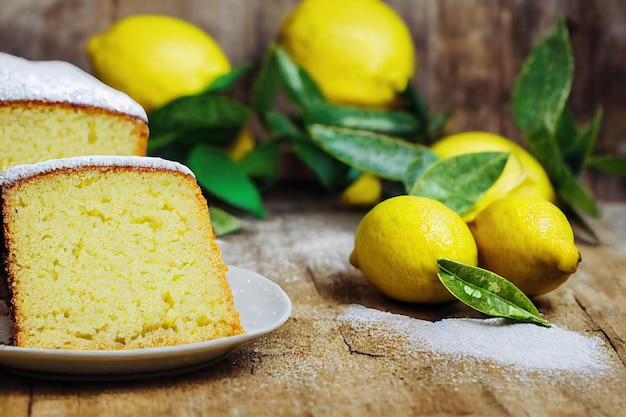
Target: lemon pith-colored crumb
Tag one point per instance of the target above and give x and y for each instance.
(115, 261)
(33, 132)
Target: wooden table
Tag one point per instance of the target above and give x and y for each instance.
(341, 354)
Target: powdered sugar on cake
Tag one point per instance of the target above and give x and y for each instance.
(18, 172)
(58, 81)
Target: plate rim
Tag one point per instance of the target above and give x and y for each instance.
(150, 353)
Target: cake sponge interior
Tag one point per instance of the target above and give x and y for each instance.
(32, 132)
(113, 259)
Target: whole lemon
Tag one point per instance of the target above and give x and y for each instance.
(398, 242)
(359, 52)
(528, 241)
(242, 144)
(522, 175)
(155, 59)
(365, 191)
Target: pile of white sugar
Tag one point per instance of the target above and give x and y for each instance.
(520, 345)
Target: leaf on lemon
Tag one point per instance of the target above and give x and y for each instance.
(218, 174)
(384, 156)
(299, 85)
(418, 168)
(487, 292)
(393, 123)
(459, 182)
(223, 222)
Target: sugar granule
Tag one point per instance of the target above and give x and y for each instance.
(521, 345)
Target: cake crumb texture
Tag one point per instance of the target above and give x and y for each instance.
(33, 131)
(114, 258)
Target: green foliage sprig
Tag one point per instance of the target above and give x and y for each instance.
(561, 146)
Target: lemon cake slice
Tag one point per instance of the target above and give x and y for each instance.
(111, 252)
(53, 109)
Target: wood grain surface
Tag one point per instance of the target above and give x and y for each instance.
(342, 354)
(468, 51)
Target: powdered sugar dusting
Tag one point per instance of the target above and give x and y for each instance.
(285, 248)
(520, 345)
(58, 81)
(18, 172)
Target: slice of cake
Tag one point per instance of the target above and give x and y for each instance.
(107, 252)
(53, 109)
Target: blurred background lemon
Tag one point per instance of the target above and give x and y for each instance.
(359, 52)
(155, 59)
(522, 175)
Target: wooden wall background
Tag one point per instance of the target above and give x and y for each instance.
(469, 51)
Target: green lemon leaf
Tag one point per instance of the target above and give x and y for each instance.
(223, 222)
(539, 107)
(227, 81)
(436, 123)
(429, 124)
(262, 162)
(543, 146)
(281, 125)
(611, 164)
(459, 182)
(583, 144)
(300, 87)
(393, 123)
(566, 131)
(328, 170)
(384, 156)
(195, 116)
(487, 292)
(544, 83)
(267, 84)
(217, 173)
(418, 168)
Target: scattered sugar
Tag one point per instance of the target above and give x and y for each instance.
(58, 81)
(283, 247)
(520, 345)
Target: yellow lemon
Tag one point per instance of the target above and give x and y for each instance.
(241, 145)
(155, 59)
(522, 175)
(359, 52)
(528, 241)
(365, 191)
(398, 242)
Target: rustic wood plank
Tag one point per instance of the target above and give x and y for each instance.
(469, 51)
(324, 362)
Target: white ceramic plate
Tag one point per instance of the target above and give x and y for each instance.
(262, 305)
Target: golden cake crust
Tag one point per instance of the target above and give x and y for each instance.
(162, 332)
